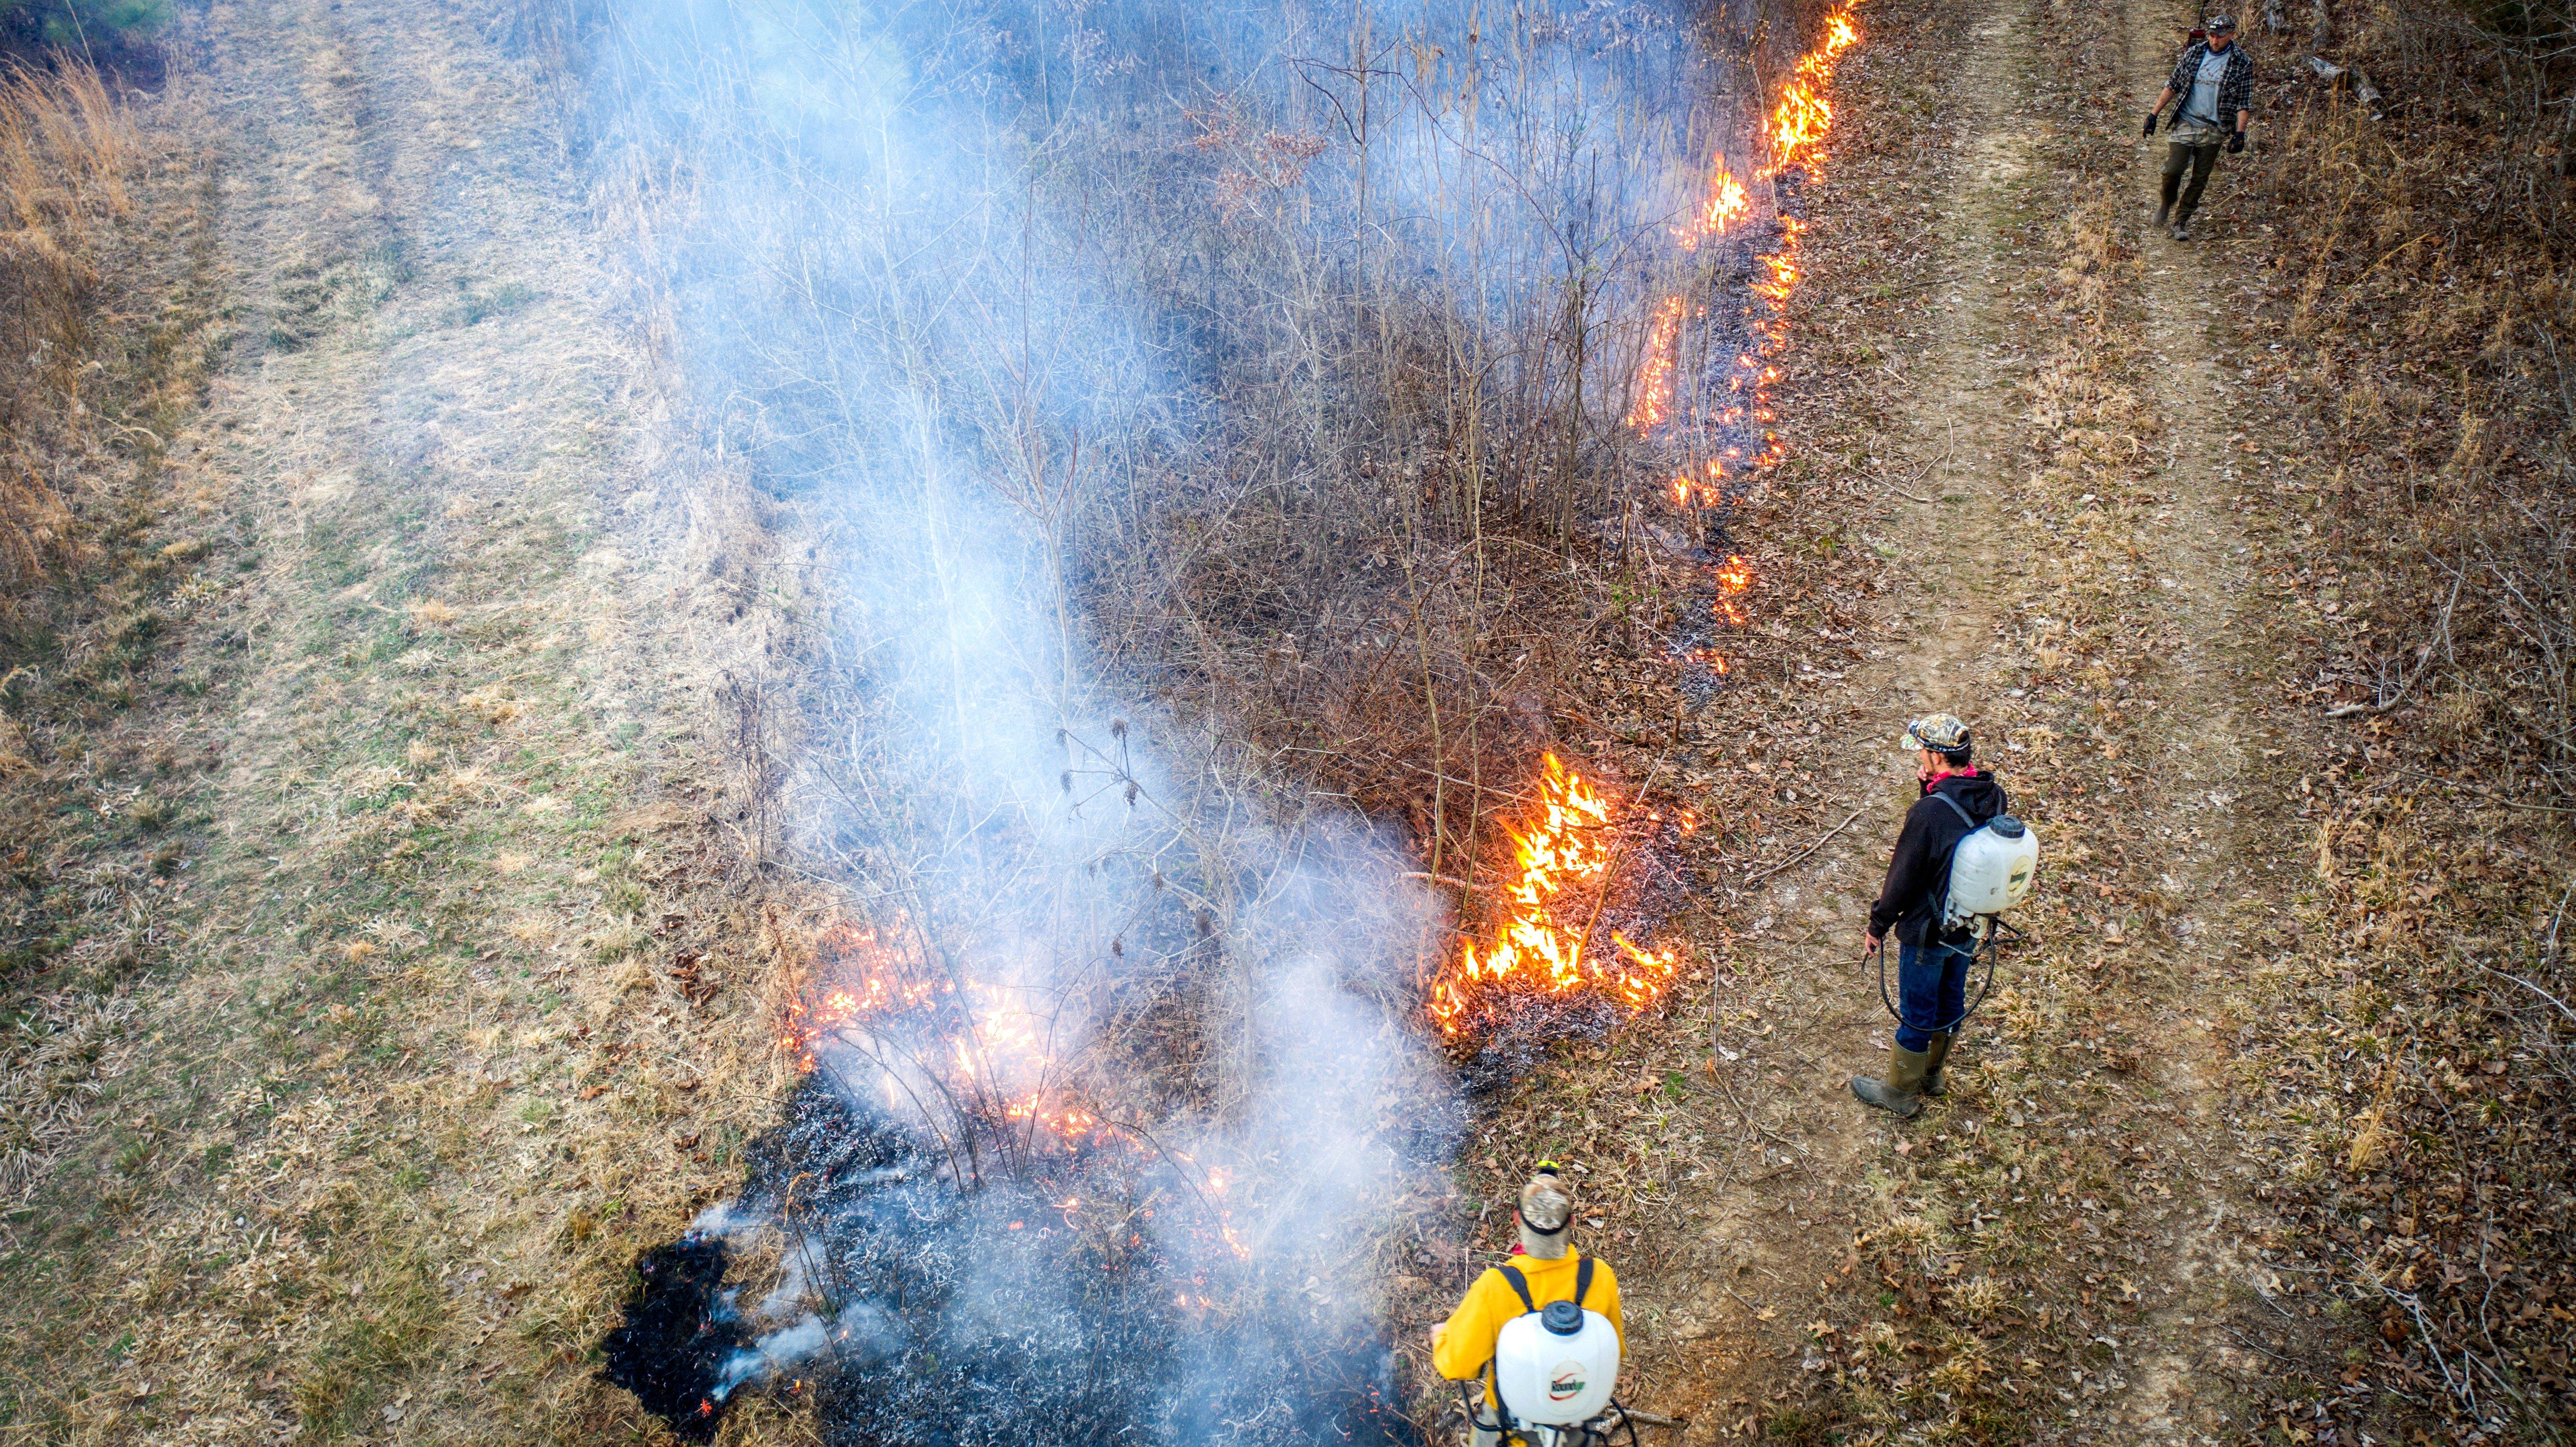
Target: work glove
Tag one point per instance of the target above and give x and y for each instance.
(2235, 142)
(2151, 125)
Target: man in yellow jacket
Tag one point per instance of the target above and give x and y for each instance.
(1462, 1348)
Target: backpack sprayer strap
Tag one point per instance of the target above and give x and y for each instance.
(1519, 1284)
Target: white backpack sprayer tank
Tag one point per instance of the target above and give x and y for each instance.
(1990, 871)
(1556, 1367)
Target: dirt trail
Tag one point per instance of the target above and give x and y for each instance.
(1797, 1015)
(2206, 576)
(2078, 1208)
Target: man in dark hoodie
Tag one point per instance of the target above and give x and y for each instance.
(1932, 964)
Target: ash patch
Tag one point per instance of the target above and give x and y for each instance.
(963, 1293)
(1507, 1047)
(679, 1331)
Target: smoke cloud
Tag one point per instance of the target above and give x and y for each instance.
(1117, 1072)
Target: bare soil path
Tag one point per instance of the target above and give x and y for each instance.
(2068, 1247)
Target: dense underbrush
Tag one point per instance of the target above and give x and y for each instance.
(2421, 323)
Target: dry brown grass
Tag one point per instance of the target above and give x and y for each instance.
(2424, 320)
(376, 1165)
(64, 153)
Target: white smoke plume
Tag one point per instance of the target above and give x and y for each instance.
(944, 281)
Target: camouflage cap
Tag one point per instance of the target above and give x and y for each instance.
(1546, 1205)
(2220, 24)
(1940, 732)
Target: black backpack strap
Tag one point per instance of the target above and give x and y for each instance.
(1519, 1283)
(1954, 808)
(1582, 1279)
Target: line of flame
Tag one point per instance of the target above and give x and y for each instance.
(1567, 844)
(1564, 851)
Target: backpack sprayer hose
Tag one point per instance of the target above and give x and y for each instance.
(1599, 1432)
(1991, 947)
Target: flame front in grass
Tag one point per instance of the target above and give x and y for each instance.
(995, 1058)
(1655, 378)
(1803, 114)
(1728, 202)
(1562, 854)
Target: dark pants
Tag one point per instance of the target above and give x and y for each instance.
(1931, 992)
(2197, 160)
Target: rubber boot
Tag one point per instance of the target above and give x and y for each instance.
(2164, 215)
(1902, 1090)
(1933, 1084)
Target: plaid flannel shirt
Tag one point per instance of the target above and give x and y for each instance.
(2235, 88)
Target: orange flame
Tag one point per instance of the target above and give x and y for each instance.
(996, 1045)
(1728, 202)
(1733, 578)
(1798, 124)
(1655, 378)
(1803, 114)
(1565, 854)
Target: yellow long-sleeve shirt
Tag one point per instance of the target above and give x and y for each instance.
(1468, 1342)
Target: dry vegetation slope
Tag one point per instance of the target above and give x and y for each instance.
(2137, 1215)
(362, 822)
(359, 828)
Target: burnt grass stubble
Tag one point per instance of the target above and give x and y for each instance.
(986, 1311)
(970, 1305)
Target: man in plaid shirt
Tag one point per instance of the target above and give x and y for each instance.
(2215, 79)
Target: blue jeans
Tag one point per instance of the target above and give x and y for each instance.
(1931, 992)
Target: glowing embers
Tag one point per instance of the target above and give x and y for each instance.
(1655, 377)
(953, 1052)
(1564, 854)
(1733, 577)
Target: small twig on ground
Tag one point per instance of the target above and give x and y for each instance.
(2549, 953)
(2245, 1340)
(2483, 793)
(1810, 849)
(2423, 661)
(1916, 476)
(1649, 1419)
(2460, 1389)
(2535, 989)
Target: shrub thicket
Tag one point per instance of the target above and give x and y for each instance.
(2426, 305)
(96, 30)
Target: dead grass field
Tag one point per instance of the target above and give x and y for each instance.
(364, 812)
(390, 776)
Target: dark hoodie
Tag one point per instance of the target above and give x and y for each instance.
(1919, 876)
